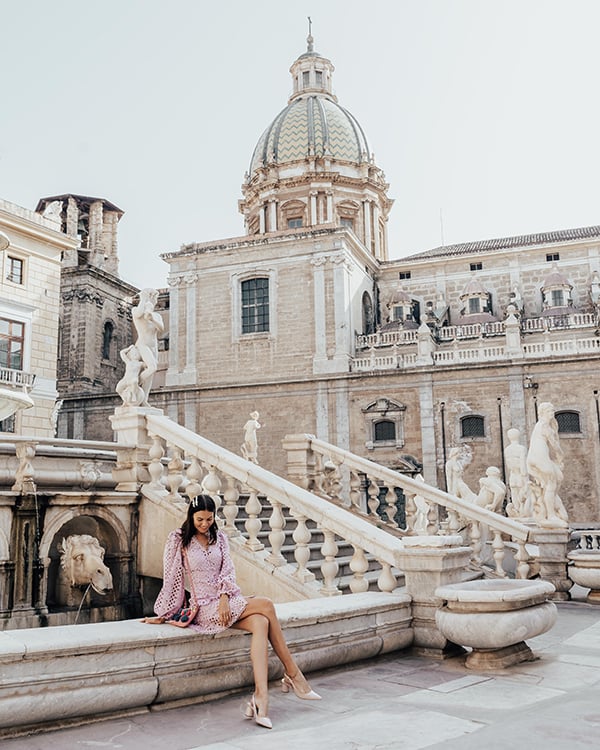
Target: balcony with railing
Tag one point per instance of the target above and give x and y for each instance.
(576, 334)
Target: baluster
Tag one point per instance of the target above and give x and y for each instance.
(155, 467)
(433, 519)
(253, 523)
(211, 484)
(476, 543)
(354, 492)
(277, 534)
(230, 509)
(319, 476)
(302, 538)
(194, 474)
(453, 522)
(359, 565)
(390, 506)
(373, 497)
(175, 475)
(332, 483)
(410, 510)
(522, 558)
(329, 566)
(386, 581)
(498, 547)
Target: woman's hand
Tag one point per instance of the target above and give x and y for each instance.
(153, 620)
(224, 611)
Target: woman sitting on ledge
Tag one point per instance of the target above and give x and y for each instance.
(221, 604)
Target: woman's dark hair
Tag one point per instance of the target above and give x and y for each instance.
(188, 530)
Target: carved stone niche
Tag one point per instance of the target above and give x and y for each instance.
(384, 424)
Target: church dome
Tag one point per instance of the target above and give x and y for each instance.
(312, 166)
(311, 126)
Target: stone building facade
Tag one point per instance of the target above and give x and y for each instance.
(31, 246)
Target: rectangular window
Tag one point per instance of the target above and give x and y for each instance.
(404, 275)
(474, 305)
(305, 78)
(14, 270)
(12, 334)
(557, 298)
(398, 312)
(293, 223)
(476, 266)
(255, 305)
(550, 257)
(319, 77)
(346, 222)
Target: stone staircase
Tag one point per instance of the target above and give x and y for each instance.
(343, 558)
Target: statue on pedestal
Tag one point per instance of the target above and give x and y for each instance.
(250, 445)
(545, 467)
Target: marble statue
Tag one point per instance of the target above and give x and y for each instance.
(492, 490)
(54, 416)
(250, 445)
(515, 460)
(545, 467)
(460, 458)
(148, 324)
(129, 388)
(82, 559)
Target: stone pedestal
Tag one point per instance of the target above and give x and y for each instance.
(494, 617)
(429, 562)
(584, 570)
(129, 425)
(552, 559)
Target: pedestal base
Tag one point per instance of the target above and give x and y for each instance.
(499, 658)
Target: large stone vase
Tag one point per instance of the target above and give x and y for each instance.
(584, 570)
(494, 618)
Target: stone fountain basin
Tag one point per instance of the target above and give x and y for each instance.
(584, 570)
(12, 401)
(495, 614)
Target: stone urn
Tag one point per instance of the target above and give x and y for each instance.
(584, 564)
(493, 617)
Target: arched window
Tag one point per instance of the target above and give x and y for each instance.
(107, 337)
(472, 426)
(568, 421)
(384, 430)
(255, 305)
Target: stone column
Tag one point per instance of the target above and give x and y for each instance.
(273, 215)
(376, 236)
(314, 219)
(367, 223)
(95, 232)
(261, 220)
(319, 313)
(343, 334)
(428, 445)
(329, 207)
(552, 558)
(172, 376)
(429, 562)
(191, 314)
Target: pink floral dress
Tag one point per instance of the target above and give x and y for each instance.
(213, 574)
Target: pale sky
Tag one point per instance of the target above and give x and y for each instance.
(483, 114)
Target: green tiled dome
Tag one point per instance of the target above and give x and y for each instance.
(311, 126)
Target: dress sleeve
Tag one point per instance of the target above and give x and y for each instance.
(172, 594)
(226, 583)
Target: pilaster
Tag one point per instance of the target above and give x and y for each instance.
(429, 562)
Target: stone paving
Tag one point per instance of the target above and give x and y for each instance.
(398, 701)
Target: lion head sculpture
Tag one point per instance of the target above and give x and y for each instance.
(82, 559)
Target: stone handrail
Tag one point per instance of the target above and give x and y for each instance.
(202, 466)
(317, 465)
